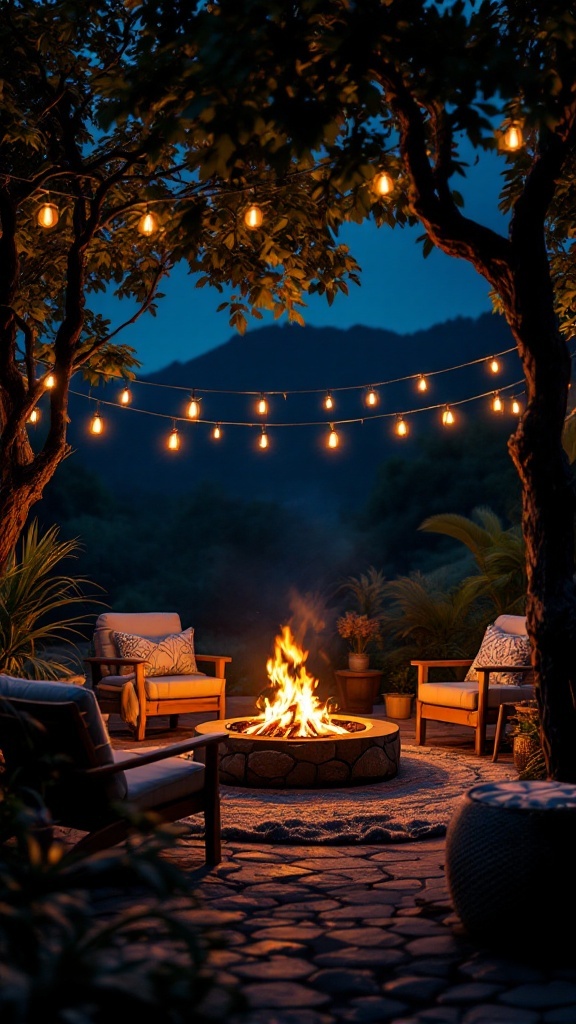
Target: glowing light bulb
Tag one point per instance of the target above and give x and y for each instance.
(328, 401)
(34, 416)
(383, 184)
(263, 442)
(333, 439)
(96, 424)
(253, 217)
(125, 396)
(447, 417)
(47, 216)
(217, 432)
(401, 427)
(148, 224)
(497, 405)
(173, 442)
(193, 410)
(262, 406)
(516, 407)
(513, 138)
(371, 397)
(494, 365)
(50, 381)
(422, 384)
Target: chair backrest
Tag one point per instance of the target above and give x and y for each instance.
(153, 625)
(47, 723)
(515, 624)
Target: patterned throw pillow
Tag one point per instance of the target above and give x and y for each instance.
(498, 648)
(172, 656)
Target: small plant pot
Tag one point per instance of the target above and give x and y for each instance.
(398, 705)
(358, 662)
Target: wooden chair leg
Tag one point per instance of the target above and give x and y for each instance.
(420, 725)
(212, 825)
(504, 712)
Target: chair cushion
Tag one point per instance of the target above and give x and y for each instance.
(43, 691)
(465, 695)
(159, 688)
(171, 655)
(152, 785)
(153, 625)
(501, 648)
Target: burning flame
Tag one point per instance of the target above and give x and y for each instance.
(294, 709)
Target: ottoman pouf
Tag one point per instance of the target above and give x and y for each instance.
(511, 862)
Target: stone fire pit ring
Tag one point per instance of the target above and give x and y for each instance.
(366, 756)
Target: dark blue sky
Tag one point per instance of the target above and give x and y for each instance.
(401, 291)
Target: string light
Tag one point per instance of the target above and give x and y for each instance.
(422, 384)
(193, 410)
(516, 407)
(371, 397)
(328, 401)
(50, 381)
(512, 138)
(382, 184)
(333, 439)
(148, 224)
(173, 442)
(262, 406)
(497, 405)
(47, 216)
(494, 365)
(253, 217)
(217, 432)
(401, 427)
(448, 417)
(125, 396)
(96, 423)
(263, 441)
(34, 416)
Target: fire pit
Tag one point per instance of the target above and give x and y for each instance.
(296, 742)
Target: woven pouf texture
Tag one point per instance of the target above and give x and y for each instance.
(510, 856)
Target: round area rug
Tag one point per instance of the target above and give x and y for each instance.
(416, 804)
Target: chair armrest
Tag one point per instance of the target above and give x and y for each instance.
(218, 660)
(174, 750)
(443, 662)
(503, 668)
(114, 661)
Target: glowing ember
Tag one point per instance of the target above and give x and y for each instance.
(294, 710)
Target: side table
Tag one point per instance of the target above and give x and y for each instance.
(358, 691)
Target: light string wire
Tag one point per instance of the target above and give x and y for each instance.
(332, 422)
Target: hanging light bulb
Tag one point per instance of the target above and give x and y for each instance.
(47, 216)
(512, 138)
(96, 423)
(50, 381)
(217, 432)
(328, 401)
(125, 396)
(516, 407)
(34, 416)
(193, 410)
(262, 406)
(497, 405)
(333, 439)
(148, 224)
(263, 442)
(371, 397)
(253, 217)
(401, 426)
(382, 184)
(494, 365)
(447, 417)
(173, 442)
(422, 384)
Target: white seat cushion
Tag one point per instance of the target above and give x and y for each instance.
(465, 695)
(152, 785)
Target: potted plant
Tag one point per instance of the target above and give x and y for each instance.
(359, 631)
(399, 688)
(527, 751)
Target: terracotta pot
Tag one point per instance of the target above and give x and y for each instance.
(398, 705)
(358, 662)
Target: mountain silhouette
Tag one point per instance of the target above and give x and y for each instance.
(294, 367)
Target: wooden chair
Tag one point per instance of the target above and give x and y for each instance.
(97, 790)
(475, 703)
(123, 686)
